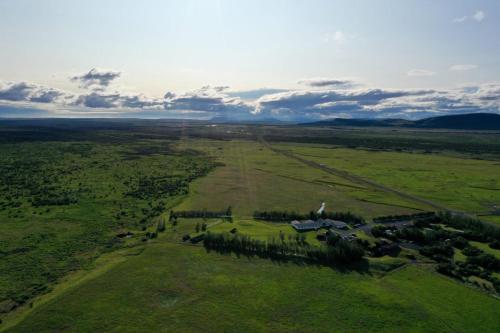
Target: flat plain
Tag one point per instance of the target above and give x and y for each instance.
(83, 259)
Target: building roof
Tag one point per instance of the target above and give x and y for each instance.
(320, 223)
(335, 223)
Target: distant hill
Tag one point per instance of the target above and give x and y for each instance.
(471, 121)
(362, 122)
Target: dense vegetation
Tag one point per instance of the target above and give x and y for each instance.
(339, 251)
(62, 203)
(441, 244)
(205, 214)
(284, 216)
(405, 217)
(97, 195)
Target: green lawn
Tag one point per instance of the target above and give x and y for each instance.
(178, 288)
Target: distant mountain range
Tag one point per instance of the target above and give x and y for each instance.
(471, 121)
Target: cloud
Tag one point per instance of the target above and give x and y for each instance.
(379, 103)
(101, 100)
(420, 72)
(325, 82)
(463, 67)
(28, 92)
(460, 19)
(478, 16)
(207, 99)
(16, 92)
(338, 37)
(248, 95)
(319, 98)
(96, 79)
(46, 95)
(316, 104)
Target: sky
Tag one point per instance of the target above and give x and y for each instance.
(295, 60)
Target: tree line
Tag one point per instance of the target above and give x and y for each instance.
(405, 217)
(341, 251)
(201, 214)
(285, 216)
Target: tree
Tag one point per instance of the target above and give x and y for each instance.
(161, 226)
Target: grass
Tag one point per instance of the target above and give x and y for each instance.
(255, 178)
(95, 283)
(485, 247)
(180, 288)
(41, 244)
(458, 182)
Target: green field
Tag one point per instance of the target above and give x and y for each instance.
(176, 288)
(458, 182)
(65, 198)
(256, 178)
(40, 243)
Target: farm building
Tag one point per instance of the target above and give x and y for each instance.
(335, 224)
(308, 225)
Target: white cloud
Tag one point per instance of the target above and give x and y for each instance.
(338, 37)
(460, 19)
(462, 67)
(321, 98)
(420, 72)
(478, 15)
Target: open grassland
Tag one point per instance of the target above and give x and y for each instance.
(61, 205)
(460, 183)
(255, 178)
(180, 288)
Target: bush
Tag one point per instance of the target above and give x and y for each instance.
(161, 226)
(495, 245)
(459, 242)
(446, 268)
(437, 251)
(471, 251)
(486, 261)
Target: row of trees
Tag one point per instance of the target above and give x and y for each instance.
(342, 251)
(201, 214)
(285, 216)
(405, 217)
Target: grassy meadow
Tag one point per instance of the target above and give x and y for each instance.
(178, 288)
(77, 214)
(61, 205)
(459, 182)
(256, 178)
